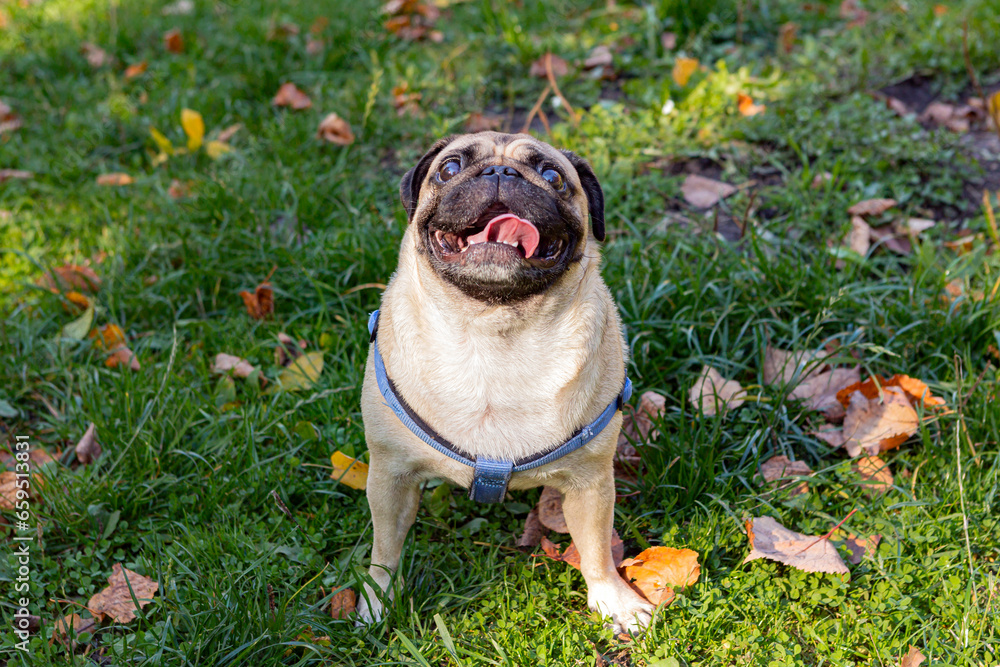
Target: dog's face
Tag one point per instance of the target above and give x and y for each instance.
(501, 216)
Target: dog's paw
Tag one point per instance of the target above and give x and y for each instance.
(369, 608)
(629, 612)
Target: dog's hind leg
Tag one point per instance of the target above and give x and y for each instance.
(589, 513)
(394, 500)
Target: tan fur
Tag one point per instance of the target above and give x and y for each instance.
(506, 381)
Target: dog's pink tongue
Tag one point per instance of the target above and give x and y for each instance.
(510, 228)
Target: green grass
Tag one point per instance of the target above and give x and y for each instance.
(183, 491)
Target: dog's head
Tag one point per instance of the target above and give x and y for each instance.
(501, 216)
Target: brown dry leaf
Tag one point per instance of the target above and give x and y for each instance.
(915, 390)
(136, 69)
(550, 510)
(8, 489)
(19, 174)
(778, 468)
(533, 531)
(572, 557)
(655, 572)
(71, 276)
(769, 539)
(95, 55)
(786, 36)
(683, 69)
(88, 449)
(704, 192)
(965, 243)
(600, 56)
(746, 105)
(871, 207)
(782, 366)
(405, 102)
(874, 425)
(937, 113)
(712, 392)
(71, 625)
(349, 471)
(288, 349)
(889, 238)
(314, 46)
(832, 436)
(115, 602)
(939, 10)
(914, 226)
(178, 189)
(290, 96)
(913, 657)
(115, 179)
(259, 304)
(637, 424)
(859, 238)
(820, 392)
(342, 604)
(336, 130)
(876, 474)
(173, 41)
(281, 31)
(124, 356)
(225, 363)
(228, 132)
(480, 122)
(108, 337)
(559, 67)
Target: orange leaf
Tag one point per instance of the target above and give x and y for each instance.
(115, 602)
(123, 355)
(135, 70)
(915, 390)
(683, 69)
(111, 337)
(572, 557)
(73, 276)
(658, 570)
(747, 107)
(115, 179)
(78, 300)
(260, 304)
(878, 424)
(290, 96)
(173, 41)
(342, 604)
(336, 130)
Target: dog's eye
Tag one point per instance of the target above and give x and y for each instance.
(448, 169)
(554, 178)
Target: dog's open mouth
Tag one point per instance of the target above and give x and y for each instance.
(499, 233)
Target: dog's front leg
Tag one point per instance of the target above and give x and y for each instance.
(393, 500)
(589, 512)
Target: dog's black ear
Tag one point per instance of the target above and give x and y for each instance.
(592, 188)
(409, 187)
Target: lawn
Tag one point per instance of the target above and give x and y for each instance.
(219, 490)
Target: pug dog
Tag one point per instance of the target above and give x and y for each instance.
(497, 359)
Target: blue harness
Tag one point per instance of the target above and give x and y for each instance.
(490, 477)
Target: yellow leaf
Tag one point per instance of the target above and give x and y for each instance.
(194, 128)
(161, 141)
(302, 373)
(80, 327)
(349, 471)
(216, 149)
(683, 69)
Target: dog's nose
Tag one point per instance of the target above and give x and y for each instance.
(500, 171)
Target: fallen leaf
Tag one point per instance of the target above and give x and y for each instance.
(288, 349)
(314, 46)
(786, 36)
(282, 31)
(637, 424)
(19, 174)
(783, 366)
(300, 374)
(769, 539)
(123, 356)
(115, 602)
(336, 130)
(712, 392)
(876, 474)
(657, 571)
(405, 102)
(778, 468)
(550, 510)
(66, 630)
(173, 41)
(95, 55)
(88, 449)
(832, 436)
(939, 10)
(115, 179)
(683, 69)
(259, 304)
(915, 390)
(559, 67)
(80, 327)
(860, 547)
(230, 132)
(136, 69)
(965, 243)
(747, 107)
(859, 238)
(290, 96)
(820, 393)
(342, 604)
(889, 238)
(108, 337)
(703, 192)
(226, 363)
(871, 207)
(572, 557)
(216, 149)
(9, 121)
(479, 122)
(71, 276)
(600, 56)
(349, 471)
(161, 141)
(668, 40)
(178, 189)
(914, 226)
(874, 425)
(8, 489)
(194, 128)
(533, 531)
(913, 658)
(79, 300)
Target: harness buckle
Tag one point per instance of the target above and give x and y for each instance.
(489, 480)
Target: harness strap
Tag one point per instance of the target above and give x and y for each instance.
(490, 477)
